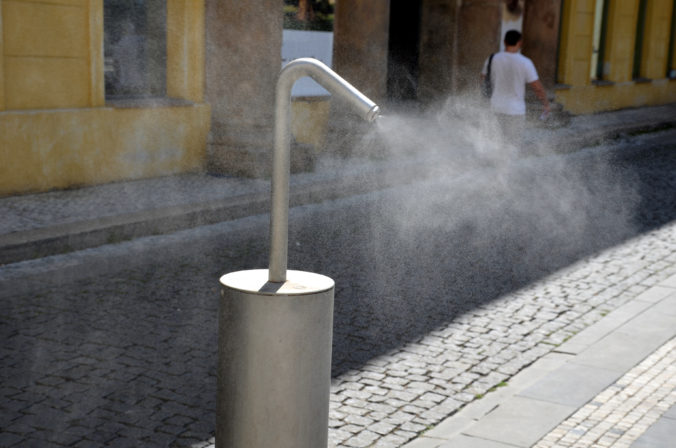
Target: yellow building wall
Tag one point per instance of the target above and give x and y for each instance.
(56, 130)
(656, 39)
(50, 51)
(620, 37)
(575, 47)
(673, 50)
(42, 150)
(590, 99)
(185, 49)
(618, 90)
(309, 120)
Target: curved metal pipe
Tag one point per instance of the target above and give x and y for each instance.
(281, 159)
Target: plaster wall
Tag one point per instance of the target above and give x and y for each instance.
(43, 150)
(361, 30)
(541, 37)
(51, 54)
(622, 16)
(575, 50)
(656, 39)
(243, 60)
(478, 31)
(589, 99)
(437, 44)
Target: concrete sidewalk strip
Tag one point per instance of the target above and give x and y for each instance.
(582, 341)
(522, 423)
(93, 230)
(660, 435)
(626, 347)
(621, 413)
(636, 338)
(571, 384)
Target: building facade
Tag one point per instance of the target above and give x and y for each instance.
(62, 125)
(95, 91)
(615, 54)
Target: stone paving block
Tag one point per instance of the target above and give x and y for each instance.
(670, 282)
(656, 293)
(34, 443)
(120, 442)
(362, 440)
(597, 331)
(571, 384)
(9, 440)
(336, 437)
(358, 420)
(667, 306)
(412, 427)
(520, 421)
(65, 438)
(98, 438)
(464, 441)
(425, 442)
(621, 350)
(662, 434)
(671, 413)
(390, 441)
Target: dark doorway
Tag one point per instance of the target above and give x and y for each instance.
(403, 50)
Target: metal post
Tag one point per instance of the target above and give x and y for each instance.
(274, 370)
(279, 217)
(276, 327)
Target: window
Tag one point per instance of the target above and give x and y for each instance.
(671, 61)
(598, 70)
(135, 48)
(308, 32)
(638, 45)
(311, 15)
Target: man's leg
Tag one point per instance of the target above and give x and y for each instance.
(512, 127)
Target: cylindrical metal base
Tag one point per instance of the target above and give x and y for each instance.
(274, 367)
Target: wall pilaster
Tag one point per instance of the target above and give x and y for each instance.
(243, 60)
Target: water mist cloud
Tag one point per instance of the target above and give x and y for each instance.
(488, 219)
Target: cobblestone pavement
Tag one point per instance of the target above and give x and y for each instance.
(624, 411)
(398, 395)
(445, 289)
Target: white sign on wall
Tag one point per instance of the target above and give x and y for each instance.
(307, 44)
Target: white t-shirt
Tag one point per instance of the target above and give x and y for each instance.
(510, 72)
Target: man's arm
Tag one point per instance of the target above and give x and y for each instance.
(539, 90)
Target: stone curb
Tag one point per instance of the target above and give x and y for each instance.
(63, 238)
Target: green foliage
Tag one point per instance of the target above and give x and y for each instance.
(321, 16)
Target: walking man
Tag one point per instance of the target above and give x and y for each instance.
(509, 74)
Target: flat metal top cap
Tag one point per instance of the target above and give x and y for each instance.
(297, 283)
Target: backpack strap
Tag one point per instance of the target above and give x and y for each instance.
(488, 69)
(487, 88)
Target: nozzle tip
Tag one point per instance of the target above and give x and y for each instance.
(373, 114)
